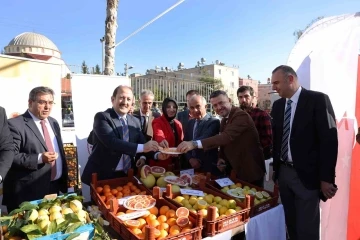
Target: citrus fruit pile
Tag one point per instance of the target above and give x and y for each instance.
(224, 207)
(107, 193)
(166, 221)
(260, 196)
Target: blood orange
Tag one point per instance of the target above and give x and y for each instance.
(145, 170)
(157, 171)
(182, 212)
(186, 178)
(182, 221)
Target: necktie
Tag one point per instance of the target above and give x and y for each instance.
(126, 158)
(145, 119)
(49, 146)
(193, 153)
(286, 132)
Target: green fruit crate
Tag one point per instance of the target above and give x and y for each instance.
(256, 206)
(104, 205)
(212, 224)
(120, 227)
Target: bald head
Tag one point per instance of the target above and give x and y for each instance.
(197, 106)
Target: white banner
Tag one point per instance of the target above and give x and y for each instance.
(90, 94)
(326, 59)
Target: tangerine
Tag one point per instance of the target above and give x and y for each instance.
(142, 222)
(119, 188)
(156, 233)
(163, 226)
(103, 198)
(132, 194)
(106, 186)
(126, 194)
(99, 190)
(126, 191)
(137, 191)
(114, 191)
(119, 195)
(162, 218)
(129, 184)
(137, 231)
(142, 193)
(182, 212)
(150, 217)
(185, 229)
(133, 188)
(174, 230)
(171, 222)
(163, 210)
(154, 223)
(163, 234)
(170, 214)
(106, 190)
(154, 210)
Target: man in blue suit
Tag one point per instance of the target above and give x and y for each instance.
(202, 126)
(118, 143)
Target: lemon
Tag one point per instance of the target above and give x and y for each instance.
(185, 202)
(204, 212)
(217, 199)
(195, 206)
(188, 206)
(246, 188)
(33, 215)
(208, 199)
(76, 205)
(258, 195)
(233, 186)
(55, 215)
(232, 204)
(43, 211)
(229, 212)
(42, 217)
(60, 220)
(179, 199)
(222, 210)
(238, 209)
(192, 201)
(54, 208)
(224, 203)
(256, 201)
(66, 211)
(202, 204)
(265, 194)
(186, 196)
(43, 225)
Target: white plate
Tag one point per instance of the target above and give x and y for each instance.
(235, 193)
(173, 179)
(136, 209)
(170, 151)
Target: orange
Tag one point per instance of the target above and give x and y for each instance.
(142, 222)
(106, 190)
(171, 222)
(163, 234)
(106, 186)
(137, 191)
(99, 190)
(119, 195)
(163, 210)
(150, 217)
(132, 224)
(119, 188)
(156, 233)
(137, 231)
(120, 213)
(174, 230)
(154, 210)
(163, 226)
(154, 223)
(132, 194)
(133, 188)
(114, 191)
(170, 214)
(129, 184)
(142, 193)
(162, 218)
(103, 198)
(126, 191)
(141, 235)
(185, 229)
(126, 194)
(182, 212)
(182, 221)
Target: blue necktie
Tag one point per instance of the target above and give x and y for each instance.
(126, 158)
(286, 132)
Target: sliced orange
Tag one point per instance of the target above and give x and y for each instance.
(132, 224)
(182, 212)
(182, 221)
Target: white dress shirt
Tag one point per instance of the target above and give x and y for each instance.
(58, 161)
(294, 99)
(140, 147)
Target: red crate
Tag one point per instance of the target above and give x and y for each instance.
(113, 183)
(254, 209)
(125, 233)
(213, 226)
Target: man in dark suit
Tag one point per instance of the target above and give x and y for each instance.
(202, 126)
(184, 116)
(145, 115)
(6, 145)
(238, 141)
(117, 140)
(39, 166)
(305, 152)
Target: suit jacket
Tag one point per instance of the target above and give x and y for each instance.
(149, 131)
(183, 117)
(207, 127)
(313, 138)
(6, 145)
(162, 131)
(109, 146)
(239, 145)
(27, 180)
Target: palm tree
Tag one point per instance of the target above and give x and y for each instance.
(110, 35)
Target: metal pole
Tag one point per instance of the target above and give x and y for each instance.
(102, 40)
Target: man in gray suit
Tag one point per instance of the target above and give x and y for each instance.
(184, 116)
(200, 127)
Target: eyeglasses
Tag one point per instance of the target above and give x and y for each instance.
(43, 102)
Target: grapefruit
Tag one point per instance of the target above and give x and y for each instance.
(145, 170)
(182, 212)
(182, 221)
(161, 182)
(132, 223)
(186, 178)
(169, 174)
(157, 171)
(149, 181)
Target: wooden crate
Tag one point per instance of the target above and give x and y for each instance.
(254, 209)
(213, 226)
(125, 233)
(113, 183)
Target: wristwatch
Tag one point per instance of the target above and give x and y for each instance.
(195, 144)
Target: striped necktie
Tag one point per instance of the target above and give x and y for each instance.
(286, 132)
(50, 147)
(126, 158)
(196, 125)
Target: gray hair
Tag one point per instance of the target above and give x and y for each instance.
(287, 70)
(146, 92)
(40, 90)
(203, 100)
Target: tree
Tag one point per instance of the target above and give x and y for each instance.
(110, 35)
(211, 84)
(84, 68)
(159, 94)
(97, 69)
(299, 32)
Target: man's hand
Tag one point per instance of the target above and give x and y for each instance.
(328, 189)
(151, 146)
(185, 146)
(195, 163)
(162, 156)
(164, 144)
(221, 164)
(49, 157)
(140, 163)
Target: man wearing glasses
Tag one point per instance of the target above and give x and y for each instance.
(39, 166)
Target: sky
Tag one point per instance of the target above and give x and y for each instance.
(255, 35)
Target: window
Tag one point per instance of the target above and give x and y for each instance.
(232, 73)
(30, 49)
(220, 71)
(232, 84)
(17, 49)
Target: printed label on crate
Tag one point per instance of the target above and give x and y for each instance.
(188, 171)
(122, 200)
(133, 215)
(229, 223)
(192, 192)
(223, 182)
